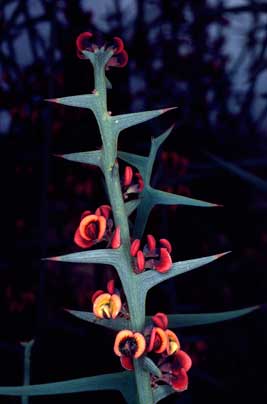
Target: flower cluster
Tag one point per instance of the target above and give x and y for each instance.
(132, 182)
(151, 257)
(86, 43)
(164, 346)
(96, 227)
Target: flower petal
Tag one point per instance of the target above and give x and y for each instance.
(101, 306)
(84, 41)
(96, 294)
(116, 44)
(86, 213)
(141, 344)
(166, 244)
(179, 381)
(84, 223)
(103, 210)
(126, 362)
(115, 305)
(80, 241)
(140, 260)
(116, 239)
(134, 247)
(158, 340)
(160, 320)
(122, 335)
(111, 286)
(165, 262)
(128, 176)
(151, 242)
(173, 342)
(184, 360)
(118, 60)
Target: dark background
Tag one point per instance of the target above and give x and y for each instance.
(209, 59)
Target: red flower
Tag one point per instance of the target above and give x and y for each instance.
(174, 370)
(93, 227)
(132, 182)
(151, 257)
(85, 42)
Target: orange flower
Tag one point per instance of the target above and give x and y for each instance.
(129, 344)
(90, 231)
(93, 227)
(173, 344)
(106, 305)
(158, 340)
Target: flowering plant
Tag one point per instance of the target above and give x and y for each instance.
(154, 363)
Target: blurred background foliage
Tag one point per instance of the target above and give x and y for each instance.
(208, 57)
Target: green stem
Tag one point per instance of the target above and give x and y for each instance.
(110, 168)
(26, 367)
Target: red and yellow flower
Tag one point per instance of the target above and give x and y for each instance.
(107, 304)
(129, 345)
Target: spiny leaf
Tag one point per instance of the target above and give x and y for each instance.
(140, 162)
(90, 157)
(105, 256)
(189, 320)
(122, 381)
(89, 101)
(124, 121)
(116, 324)
(166, 198)
(156, 142)
(150, 366)
(151, 278)
(243, 174)
(131, 206)
(160, 392)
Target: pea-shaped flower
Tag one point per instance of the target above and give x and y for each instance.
(129, 345)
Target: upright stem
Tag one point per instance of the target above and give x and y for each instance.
(110, 168)
(26, 367)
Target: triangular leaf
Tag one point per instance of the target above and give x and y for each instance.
(124, 121)
(122, 381)
(89, 101)
(166, 198)
(156, 142)
(189, 320)
(90, 157)
(243, 174)
(116, 324)
(103, 256)
(151, 278)
(131, 206)
(140, 162)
